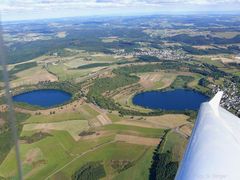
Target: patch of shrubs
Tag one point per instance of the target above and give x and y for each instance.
(121, 165)
(86, 133)
(90, 171)
(35, 137)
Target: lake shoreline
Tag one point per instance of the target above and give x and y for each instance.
(142, 99)
(43, 98)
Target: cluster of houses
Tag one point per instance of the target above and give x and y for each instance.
(231, 96)
(165, 53)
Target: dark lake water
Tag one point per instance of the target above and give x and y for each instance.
(179, 99)
(43, 98)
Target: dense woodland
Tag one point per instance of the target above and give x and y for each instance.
(162, 168)
(87, 35)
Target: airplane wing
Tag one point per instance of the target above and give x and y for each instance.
(213, 151)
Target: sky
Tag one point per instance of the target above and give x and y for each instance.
(44, 9)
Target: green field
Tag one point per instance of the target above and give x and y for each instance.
(134, 130)
(56, 117)
(113, 151)
(63, 73)
(139, 171)
(56, 151)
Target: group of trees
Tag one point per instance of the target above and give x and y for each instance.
(150, 67)
(147, 58)
(93, 65)
(162, 168)
(35, 137)
(203, 40)
(181, 81)
(209, 71)
(21, 67)
(215, 72)
(108, 84)
(165, 169)
(90, 171)
(88, 38)
(203, 82)
(210, 51)
(63, 85)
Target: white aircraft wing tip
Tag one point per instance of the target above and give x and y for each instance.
(215, 101)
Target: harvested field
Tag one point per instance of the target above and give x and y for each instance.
(71, 107)
(72, 127)
(204, 47)
(33, 76)
(104, 120)
(156, 80)
(137, 140)
(186, 129)
(165, 121)
(227, 35)
(226, 59)
(169, 120)
(94, 123)
(159, 80)
(147, 80)
(137, 123)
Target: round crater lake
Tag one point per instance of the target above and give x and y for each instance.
(178, 100)
(44, 98)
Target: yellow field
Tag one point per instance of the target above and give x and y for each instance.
(156, 80)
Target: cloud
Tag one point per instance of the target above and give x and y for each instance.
(31, 4)
(81, 7)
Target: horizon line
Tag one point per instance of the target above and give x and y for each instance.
(179, 13)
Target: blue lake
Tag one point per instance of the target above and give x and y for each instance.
(178, 99)
(44, 98)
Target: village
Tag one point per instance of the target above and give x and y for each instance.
(165, 53)
(231, 98)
